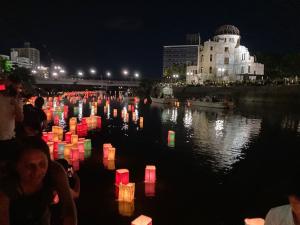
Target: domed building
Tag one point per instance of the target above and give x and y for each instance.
(224, 59)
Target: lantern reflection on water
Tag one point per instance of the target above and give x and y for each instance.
(87, 145)
(122, 176)
(150, 174)
(126, 208)
(171, 138)
(115, 112)
(150, 189)
(109, 164)
(126, 192)
(142, 220)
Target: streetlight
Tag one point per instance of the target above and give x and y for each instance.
(62, 71)
(54, 74)
(80, 73)
(92, 71)
(108, 74)
(136, 75)
(125, 72)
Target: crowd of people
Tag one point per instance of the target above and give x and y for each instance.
(31, 184)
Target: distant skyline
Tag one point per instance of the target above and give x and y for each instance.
(114, 35)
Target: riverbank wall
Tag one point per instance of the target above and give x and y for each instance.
(245, 94)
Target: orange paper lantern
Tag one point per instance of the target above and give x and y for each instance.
(126, 192)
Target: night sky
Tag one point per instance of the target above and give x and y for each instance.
(112, 35)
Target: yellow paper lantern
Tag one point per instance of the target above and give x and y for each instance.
(142, 220)
(111, 154)
(141, 122)
(67, 151)
(126, 192)
(74, 139)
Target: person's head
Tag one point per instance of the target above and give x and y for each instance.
(14, 85)
(39, 102)
(32, 160)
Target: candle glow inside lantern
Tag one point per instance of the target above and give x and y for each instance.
(106, 146)
(126, 208)
(74, 139)
(122, 176)
(150, 174)
(87, 144)
(80, 145)
(67, 152)
(111, 153)
(74, 154)
(50, 136)
(115, 112)
(142, 220)
(141, 122)
(126, 192)
(171, 138)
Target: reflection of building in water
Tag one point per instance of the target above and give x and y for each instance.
(169, 114)
(222, 137)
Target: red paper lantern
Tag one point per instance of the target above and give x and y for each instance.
(122, 176)
(106, 146)
(45, 137)
(150, 174)
(68, 137)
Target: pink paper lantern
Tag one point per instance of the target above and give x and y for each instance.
(80, 145)
(50, 136)
(56, 120)
(142, 220)
(74, 154)
(122, 176)
(150, 174)
(68, 137)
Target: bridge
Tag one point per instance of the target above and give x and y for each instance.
(103, 83)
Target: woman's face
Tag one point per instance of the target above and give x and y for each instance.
(32, 167)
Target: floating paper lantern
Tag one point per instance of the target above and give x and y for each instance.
(106, 146)
(115, 112)
(145, 100)
(171, 138)
(129, 108)
(74, 154)
(49, 115)
(150, 189)
(150, 174)
(55, 137)
(56, 120)
(60, 133)
(55, 145)
(75, 164)
(126, 208)
(45, 137)
(126, 192)
(74, 139)
(122, 176)
(254, 221)
(66, 111)
(61, 148)
(50, 136)
(68, 137)
(51, 146)
(133, 116)
(67, 152)
(141, 122)
(87, 144)
(111, 153)
(80, 145)
(142, 220)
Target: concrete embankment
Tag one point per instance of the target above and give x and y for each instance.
(245, 94)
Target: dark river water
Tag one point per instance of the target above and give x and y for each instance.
(225, 165)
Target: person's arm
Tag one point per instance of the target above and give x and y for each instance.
(4, 209)
(76, 190)
(59, 176)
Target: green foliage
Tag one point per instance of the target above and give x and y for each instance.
(179, 69)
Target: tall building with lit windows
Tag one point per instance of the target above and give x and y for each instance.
(224, 59)
(32, 54)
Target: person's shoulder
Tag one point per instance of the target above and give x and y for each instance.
(281, 209)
